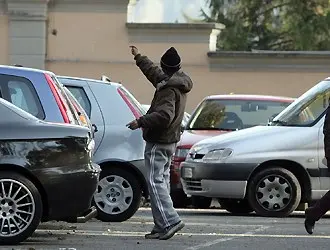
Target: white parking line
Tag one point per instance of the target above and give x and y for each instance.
(143, 221)
(215, 242)
(137, 234)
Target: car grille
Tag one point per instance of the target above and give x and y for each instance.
(193, 184)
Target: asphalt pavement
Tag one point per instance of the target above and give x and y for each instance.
(205, 229)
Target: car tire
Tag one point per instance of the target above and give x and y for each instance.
(118, 195)
(274, 192)
(236, 207)
(201, 202)
(19, 217)
(179, 199)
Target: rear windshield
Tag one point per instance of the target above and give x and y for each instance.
(234, 114)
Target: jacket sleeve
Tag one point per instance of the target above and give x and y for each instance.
(164, 112)
(153, 73)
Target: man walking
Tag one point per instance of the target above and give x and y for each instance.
(314, 213)
(161, 131)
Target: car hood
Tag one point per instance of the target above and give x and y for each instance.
(190, 137)
(264, 138)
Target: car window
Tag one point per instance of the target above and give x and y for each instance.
(80, 95)
(20, 92)
(307, 109)
(80, 110)
(234, 114)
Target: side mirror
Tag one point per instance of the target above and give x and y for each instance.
(270, 119)
(94, 128)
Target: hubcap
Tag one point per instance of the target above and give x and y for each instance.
(17, 207)
(114, 194)
(274, 192)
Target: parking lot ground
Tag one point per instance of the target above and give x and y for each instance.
(205, 229)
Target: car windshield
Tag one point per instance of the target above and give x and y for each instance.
(233, 114)
(307, 109)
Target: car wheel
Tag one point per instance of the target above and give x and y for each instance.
(201, 202)
(118, 195)
(274, 192)
(179, 199)
(236, 206)
(20, 208)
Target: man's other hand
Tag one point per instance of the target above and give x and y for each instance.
(133, 125)
(134, 50)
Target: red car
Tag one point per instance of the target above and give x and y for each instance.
(216, 115)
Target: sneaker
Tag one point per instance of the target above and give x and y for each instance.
(152, 235)
(171, 230)
(309, 223)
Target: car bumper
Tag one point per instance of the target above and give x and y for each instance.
(219, 180)
(70, 193)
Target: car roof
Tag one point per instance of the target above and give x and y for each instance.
(23, 69)
(250, 97)
(115, 84)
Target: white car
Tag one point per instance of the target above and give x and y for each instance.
(266, 169)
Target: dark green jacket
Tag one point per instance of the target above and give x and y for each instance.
(162, 123)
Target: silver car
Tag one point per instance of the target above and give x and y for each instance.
(118, 150)
(267, 169)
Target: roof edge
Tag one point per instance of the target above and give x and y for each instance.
(269, 53)
(187, 26)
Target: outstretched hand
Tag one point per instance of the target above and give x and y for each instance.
(134, 50)
(133, 125)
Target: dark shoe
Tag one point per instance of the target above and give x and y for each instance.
(171, 230)
(153, 235)
(309, 223)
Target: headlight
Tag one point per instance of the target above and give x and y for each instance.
(217, 155)
(196, 153)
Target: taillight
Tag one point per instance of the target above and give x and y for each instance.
(59, 99)
(135, 112)
(82, 117)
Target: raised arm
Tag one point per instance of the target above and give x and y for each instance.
(153, 73)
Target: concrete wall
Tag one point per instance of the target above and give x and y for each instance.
(27, 32)
(3, 34)
(90, 40)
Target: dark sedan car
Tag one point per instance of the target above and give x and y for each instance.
(46, 173)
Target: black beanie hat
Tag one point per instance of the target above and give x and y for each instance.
(171, 58)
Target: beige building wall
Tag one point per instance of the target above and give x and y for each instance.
(4, 36)
(90, 40)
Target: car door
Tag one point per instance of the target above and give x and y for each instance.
(83, 94)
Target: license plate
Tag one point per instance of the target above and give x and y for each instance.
(187, 173)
